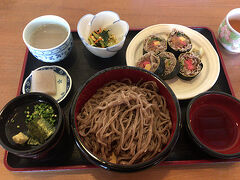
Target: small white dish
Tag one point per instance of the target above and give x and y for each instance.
(105, 19)
(63, 82)
(182, 89)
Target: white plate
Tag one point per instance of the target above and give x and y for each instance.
(182, 89)
(63, 82)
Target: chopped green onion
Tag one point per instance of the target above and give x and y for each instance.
(42, 110)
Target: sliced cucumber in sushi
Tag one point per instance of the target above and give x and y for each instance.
(151, 62)
(171, 65)
(155, 44)
(190, 66)
(178, 42)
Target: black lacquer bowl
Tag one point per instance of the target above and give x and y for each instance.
(12, 121)
(134, 74)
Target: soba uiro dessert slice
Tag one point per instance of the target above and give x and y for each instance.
(44, 81)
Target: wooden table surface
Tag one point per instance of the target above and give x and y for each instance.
(15, 14)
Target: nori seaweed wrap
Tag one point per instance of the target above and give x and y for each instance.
(171, 65)
(151, 62)
(154, 43)
(178, 42)
(190, 66)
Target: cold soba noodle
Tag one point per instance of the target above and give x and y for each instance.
(125, 123)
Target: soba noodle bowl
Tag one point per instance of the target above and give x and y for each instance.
(125, 123)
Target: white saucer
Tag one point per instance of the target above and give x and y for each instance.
(63, 82)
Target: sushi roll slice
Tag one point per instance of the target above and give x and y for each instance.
(171, 64)
(178, 42)
(190, 66)
(151, 62)
(154, 44)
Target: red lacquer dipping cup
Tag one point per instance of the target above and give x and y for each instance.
(213, 122)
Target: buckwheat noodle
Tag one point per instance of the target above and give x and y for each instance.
(125, 123)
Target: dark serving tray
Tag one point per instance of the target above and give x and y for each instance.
(81, 64)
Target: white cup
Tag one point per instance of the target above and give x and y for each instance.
(53, 54)
(227, 35)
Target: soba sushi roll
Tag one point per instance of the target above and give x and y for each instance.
(171, 65)
(154, 44)
(151, 62)
(178, 42)
(190, 66)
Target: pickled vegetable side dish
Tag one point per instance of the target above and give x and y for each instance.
(102, 38)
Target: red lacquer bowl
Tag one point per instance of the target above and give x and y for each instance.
(213, 121)
(135, 74)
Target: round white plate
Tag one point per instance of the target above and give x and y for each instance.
(183, 89)
(63, 82)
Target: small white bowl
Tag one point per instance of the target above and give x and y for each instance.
(53, 54)
(105, 19)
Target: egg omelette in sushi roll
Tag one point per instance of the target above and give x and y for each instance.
(151, 62)
(171, 64)
(178, 42)
(155, 44)
(190, 65)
